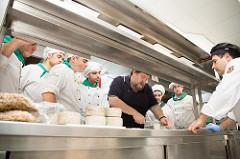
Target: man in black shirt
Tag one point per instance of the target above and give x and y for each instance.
(135, 98)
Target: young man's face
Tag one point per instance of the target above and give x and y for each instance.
(139, 80)
(178, 89)
(219, 64)
(28, 49)
(158, 95)
(94, 76)
(80, 64)
(55, 58)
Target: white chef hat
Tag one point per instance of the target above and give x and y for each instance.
(68, 55)
(158, 87)
(92, 66)
(171, 85)
(49, 50)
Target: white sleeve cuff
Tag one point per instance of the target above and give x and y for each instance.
(4, 61)
(232, 116)
(50, 88)
(207, 110)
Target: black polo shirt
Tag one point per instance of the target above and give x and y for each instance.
(141, 101)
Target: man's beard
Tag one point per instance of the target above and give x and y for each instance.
(139, 88)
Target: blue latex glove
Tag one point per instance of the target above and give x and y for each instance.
(213, 127)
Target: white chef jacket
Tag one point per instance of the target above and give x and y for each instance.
(182, 111)
(31, 82)
(10, 71)
(90, 96)
(166, 111)
(226, 97)
(61, 81)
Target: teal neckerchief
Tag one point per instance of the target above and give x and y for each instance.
(176, 99)
(16, 52)
(87, 83)
(162, 104)
(43, 68)
(66, 63)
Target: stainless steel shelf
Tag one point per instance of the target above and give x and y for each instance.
(30, 140)
(49, 24)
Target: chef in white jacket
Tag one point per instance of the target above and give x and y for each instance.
(13, 52)
(182, 107)
(61, 86)
(159, 91)
(226, 97)
(90, 92)
(33, 76)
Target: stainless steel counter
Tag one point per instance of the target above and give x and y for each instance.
(25, 140)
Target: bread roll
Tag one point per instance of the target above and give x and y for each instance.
(94, 111)
(68, 117)
(114, 121)
(17, 115)
(11, 101)
(96, 120)
(113, 112)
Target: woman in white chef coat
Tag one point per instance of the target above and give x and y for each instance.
(182, 107)
(33, 76)
(90, 92)
(13, 52)
(61, 86)
(159, 91)
(225, 100)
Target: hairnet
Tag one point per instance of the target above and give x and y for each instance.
(49, 50)
(158, 87)
(223, 48)
(171, 85)
(92, 66)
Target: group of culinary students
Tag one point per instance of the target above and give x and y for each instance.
(55, 81)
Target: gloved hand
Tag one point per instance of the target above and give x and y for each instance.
(213, 127)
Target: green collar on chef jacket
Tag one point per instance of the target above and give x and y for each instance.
(16, 52)
(162, 104)
(87, 83)
(43, 68)
(68, 64)
(176, 99)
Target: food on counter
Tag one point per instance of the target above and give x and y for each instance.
(113, 112)
(96, 120)
(94, 111)
(114, 121)
(18, 115)
(159, 126)
(11, 101)
(68, 117)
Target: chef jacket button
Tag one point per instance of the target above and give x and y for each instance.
(98, 96)
(88, 94)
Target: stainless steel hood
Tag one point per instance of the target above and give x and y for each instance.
(49, 24)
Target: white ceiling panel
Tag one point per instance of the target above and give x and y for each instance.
(216, 20)
(215, 12)
(189, 25)
(191, 5)
(227, 27)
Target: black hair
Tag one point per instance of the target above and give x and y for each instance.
(222, 48)
(138, 72)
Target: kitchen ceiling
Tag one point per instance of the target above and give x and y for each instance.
(204, 22)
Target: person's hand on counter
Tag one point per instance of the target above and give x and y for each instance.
(197, 124)
(166, 121)
(213, 127)
(139, 118)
